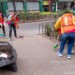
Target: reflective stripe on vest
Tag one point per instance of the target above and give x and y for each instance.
(67, 23)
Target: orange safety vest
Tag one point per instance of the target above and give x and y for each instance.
(67, 23)
(14, 19)
(0, 18)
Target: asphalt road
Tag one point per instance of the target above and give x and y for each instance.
(34, 27)
(36, 55)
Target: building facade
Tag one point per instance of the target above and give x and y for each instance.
(25, 5)
(62, 4)
(34, 5)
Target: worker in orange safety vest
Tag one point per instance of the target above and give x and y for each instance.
(12, 25)
(2, 23)
(66, 25)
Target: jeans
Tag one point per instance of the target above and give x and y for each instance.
(67, 37)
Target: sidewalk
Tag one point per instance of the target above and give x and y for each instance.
(37, 57)
(41, 59)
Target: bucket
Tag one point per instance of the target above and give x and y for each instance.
(2, 35)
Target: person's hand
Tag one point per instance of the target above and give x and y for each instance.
(16, 24)
(57, 30)
(17, 27)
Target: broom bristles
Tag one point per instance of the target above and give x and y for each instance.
(55, 46)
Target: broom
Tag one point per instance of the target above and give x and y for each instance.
(56, 45)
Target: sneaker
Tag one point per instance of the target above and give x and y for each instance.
(60, 54)
(69, 56)
(16, 37)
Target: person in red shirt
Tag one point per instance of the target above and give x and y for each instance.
(2, 22)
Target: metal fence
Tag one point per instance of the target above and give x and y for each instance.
(47, 28)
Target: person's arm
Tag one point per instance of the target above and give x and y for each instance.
(57, 24)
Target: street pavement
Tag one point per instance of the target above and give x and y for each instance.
(36, 56)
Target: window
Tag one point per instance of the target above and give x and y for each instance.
(32, 6)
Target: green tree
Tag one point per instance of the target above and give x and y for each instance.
(50, 4)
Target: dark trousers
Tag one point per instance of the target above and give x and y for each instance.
(3, 29)
(10, 30)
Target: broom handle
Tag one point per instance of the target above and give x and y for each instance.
(57, 38)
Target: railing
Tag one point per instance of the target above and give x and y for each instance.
(47, 28)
